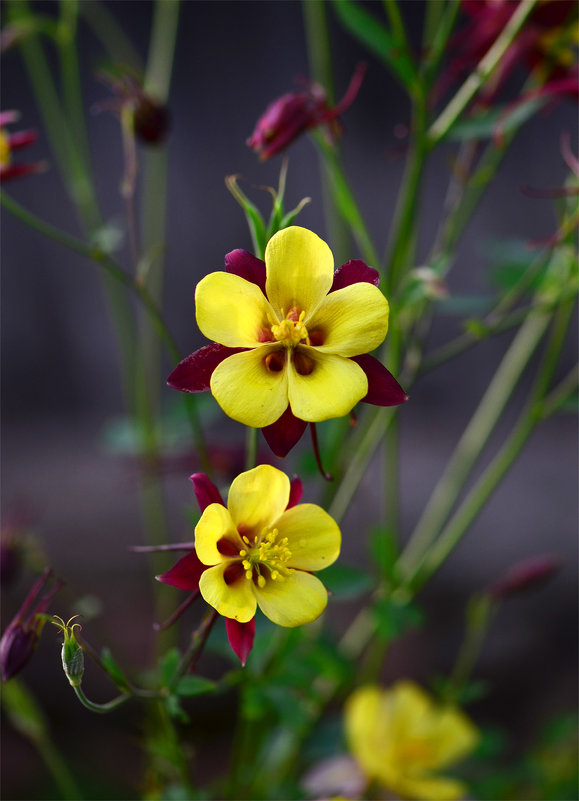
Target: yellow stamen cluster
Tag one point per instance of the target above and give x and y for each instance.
(266, 551)
(291, 331)
(413, 750)
(4, 150)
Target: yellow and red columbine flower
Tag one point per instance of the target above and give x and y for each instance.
(292, 338)
(259, 551)
(11, 142)
(400, 738)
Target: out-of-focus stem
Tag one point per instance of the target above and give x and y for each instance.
(481, 74)
(251, 448)
(110, 34)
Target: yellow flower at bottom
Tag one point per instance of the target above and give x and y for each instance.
(260, 553)
(401, 738)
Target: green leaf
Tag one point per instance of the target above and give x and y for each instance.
(346, 582)
(189, 686)
(377, 39)
(254, 219)
(384, 550)
(393, 618)
(175, 710)
(170, 665)
(114, 671)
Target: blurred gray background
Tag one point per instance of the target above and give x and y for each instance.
(61, 385)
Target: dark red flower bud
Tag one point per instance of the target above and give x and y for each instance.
(524, 576)
(296, 112)
(21, 636)
(150, 121)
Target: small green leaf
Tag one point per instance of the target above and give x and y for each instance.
(189, 686)
(376, 37)
(254, 219)
(486, 124)
(346, 582)
(175, 710)
(170, 665)
(394, 618)
(114, 671)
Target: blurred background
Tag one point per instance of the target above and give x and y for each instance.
(68, 481)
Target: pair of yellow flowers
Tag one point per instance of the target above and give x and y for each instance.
(289, 343)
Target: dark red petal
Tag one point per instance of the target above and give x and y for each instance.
(205, 491)
(354, 272)
(383, 389)
(193, 374)
(185, 574)
(282, 435)
(246, 265)
(296, 492)
(240, 636)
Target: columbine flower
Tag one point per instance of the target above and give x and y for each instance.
(259, 551)
(21, 636)
(11, 142)
(291, 338)
(293, 114)
(400, 739)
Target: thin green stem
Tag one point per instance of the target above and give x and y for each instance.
(59, 769)
(476, 80)
(250, 448)
(423, 568)
(561, 394)
(346, 203)
(474, 438)
(479, 615)
(440, 21)
(101, 708)
(378, 421)
(320, 61)
(398, 29)
(111, 35)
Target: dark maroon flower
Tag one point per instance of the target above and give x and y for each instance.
(21, 636)
(11, 142)
(193, 374)
(149, 118)
(296, 112)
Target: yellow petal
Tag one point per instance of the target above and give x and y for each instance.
(298, 599)
(332, 389)
(453, 736)
(352, 320)
(258, 497)
(313, 536)
(215, 524)
(300, 270)
(231, 310)
(434, 788)
(235, 600)
(367, 726)
(247, 391)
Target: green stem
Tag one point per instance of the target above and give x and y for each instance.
(112, 37)
(59, 769)
(451, 535)
(474, 438)
(562, 393)
(346, 203)
(398, 30)
(101, 708)
(479, 615)
(251, 448)
(439, 24)
(476, 80)
(378, 421)
(320, 61)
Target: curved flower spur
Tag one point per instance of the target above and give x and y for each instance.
(291, 338)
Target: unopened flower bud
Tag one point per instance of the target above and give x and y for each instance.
(21, 636)
(150, 121)
(72, 654)
(524, 576)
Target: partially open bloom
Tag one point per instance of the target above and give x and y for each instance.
(296, 112)
(259, 550)
(291, 338)
(21, 636)
(400, 738)
(11, 142)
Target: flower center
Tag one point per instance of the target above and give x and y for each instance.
(267, 551)
(4, 150)
(414, 751)
(291, 331)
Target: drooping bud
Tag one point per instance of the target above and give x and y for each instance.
(150, 120)
(525, 576)
(71, 654)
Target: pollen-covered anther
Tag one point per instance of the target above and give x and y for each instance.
(292, 330)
